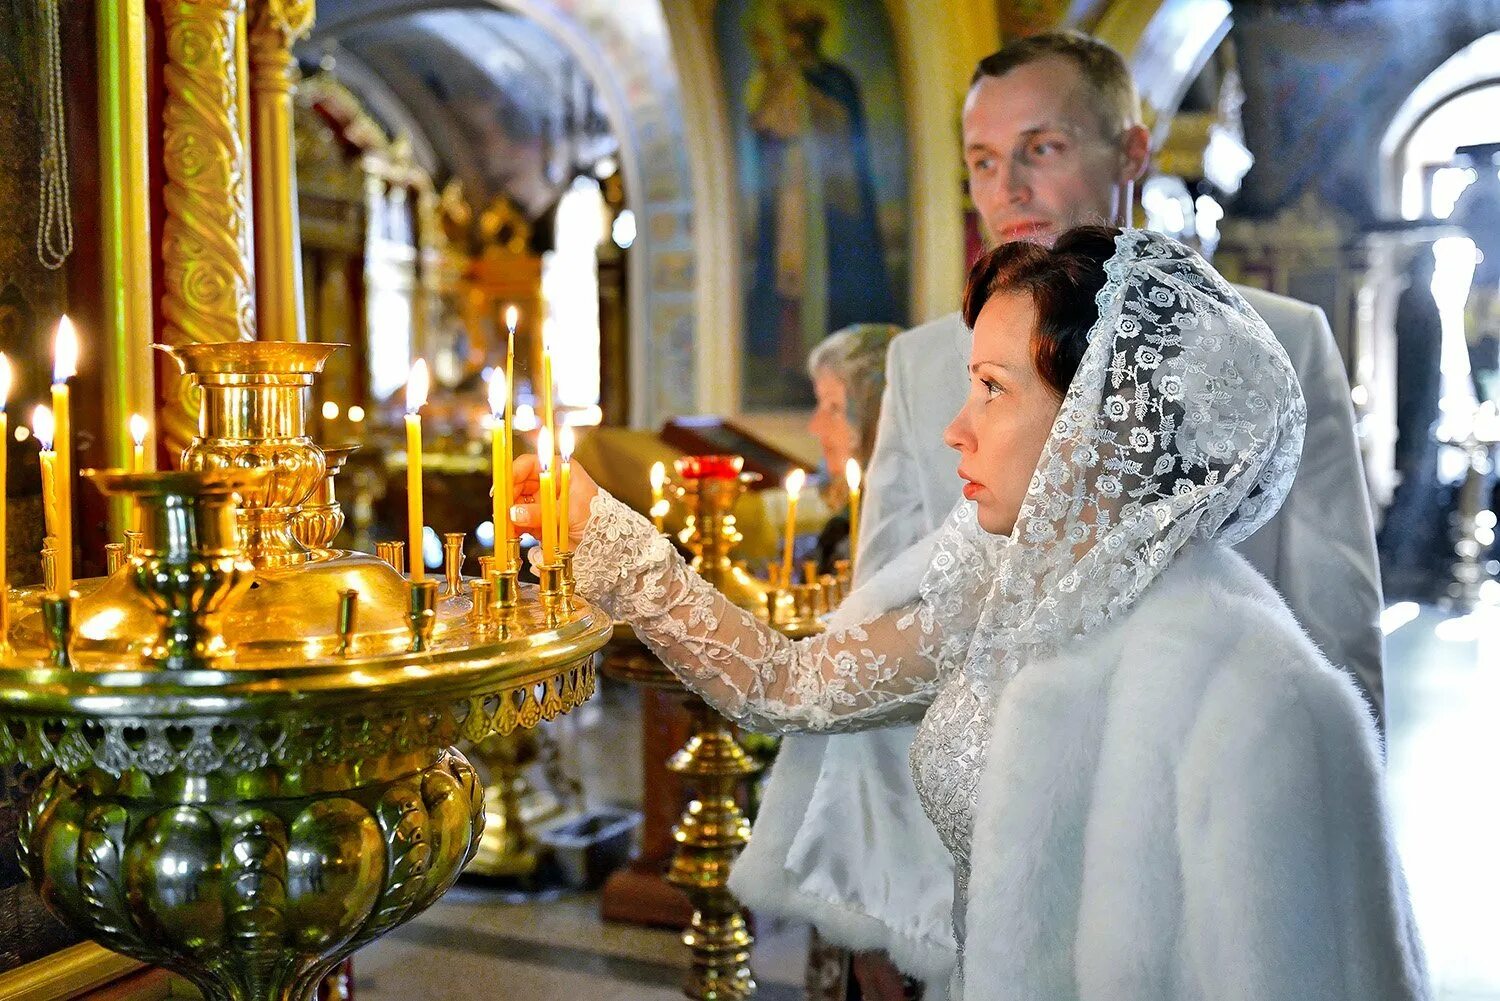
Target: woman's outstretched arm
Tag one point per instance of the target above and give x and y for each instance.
(864, 676)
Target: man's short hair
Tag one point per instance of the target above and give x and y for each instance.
(1102, 67)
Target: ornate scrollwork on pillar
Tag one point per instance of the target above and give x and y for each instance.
(275, 25)
(207, 235)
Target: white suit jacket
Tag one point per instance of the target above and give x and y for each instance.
(840, 841)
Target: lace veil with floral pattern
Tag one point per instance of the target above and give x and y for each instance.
(1184, 422)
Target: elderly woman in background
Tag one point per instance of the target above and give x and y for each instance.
(848, 375)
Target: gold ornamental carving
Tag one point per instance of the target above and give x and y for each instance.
(207, 234)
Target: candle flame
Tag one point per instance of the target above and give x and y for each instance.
(852, 474)
(4, 383)
(794, 481)
(544, 448)
(65, 351)
(566, 442)
(526, 417)
(498, 392)
(658, 475)
(661, 508)
(512, 315)
(43, 426)
(138, 429)
(416, 386)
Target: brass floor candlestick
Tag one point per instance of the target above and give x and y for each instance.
(710, 836)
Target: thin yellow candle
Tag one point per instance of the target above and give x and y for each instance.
(658, 498)
(549, 418)
(794, 481)
(138, 430)
(547, 495)
(42, 427)
(4, 525)
(512, 317)
(64, 367)
(852, 477)
(565, 445)
(416, 397)
(501, 485)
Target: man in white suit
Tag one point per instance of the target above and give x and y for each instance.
(1052, 139)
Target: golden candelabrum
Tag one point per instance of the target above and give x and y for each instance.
(713, 829)
(249, 736)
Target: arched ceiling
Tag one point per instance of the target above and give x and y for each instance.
(501, 104)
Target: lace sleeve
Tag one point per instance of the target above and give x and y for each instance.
(870, 674)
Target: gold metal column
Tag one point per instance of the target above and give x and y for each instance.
(124, 182)
(275, 25)
(207, 235)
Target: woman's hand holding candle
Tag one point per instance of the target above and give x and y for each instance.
(526, 508)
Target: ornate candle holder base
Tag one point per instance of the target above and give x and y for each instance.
(710, 836)
(252, 898)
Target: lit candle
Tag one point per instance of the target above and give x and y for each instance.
(501, 485)
(794, 481)
(565, 445)
(64, 367)
(852, 477)
(547, 494)
(526, 418)
(4, 532)
(658, 500)
(138, 429)
(42, 427)
(416, 396)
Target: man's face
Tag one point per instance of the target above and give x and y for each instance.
(1038, 157)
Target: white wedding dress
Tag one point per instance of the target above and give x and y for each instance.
(1179, 435)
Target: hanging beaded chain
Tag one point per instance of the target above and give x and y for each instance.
(54, 234)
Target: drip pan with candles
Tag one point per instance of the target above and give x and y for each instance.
(249, 734)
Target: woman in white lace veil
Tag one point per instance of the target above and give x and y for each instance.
(1153, 785)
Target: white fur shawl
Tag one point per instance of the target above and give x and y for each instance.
(1187, 807)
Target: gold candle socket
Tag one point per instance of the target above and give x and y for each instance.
(553, 594)
(421, 617)
(506, 585)
(453, 560)
(348, 605)
(132, 543)
(487, 567)
(57, 623)
(567, 571)
(482, 594)
(393, 553)
(513, 554)
(114, 557)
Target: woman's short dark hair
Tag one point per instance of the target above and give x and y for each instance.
(1062, 282)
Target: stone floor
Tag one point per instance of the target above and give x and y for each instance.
(1442, 685)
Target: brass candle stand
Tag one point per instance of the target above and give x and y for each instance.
(250, 736)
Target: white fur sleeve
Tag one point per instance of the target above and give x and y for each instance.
(1291, 883)
(861, 675)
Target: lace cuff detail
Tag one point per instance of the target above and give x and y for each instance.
(869, 674)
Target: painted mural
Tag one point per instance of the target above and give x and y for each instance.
(820, 137)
